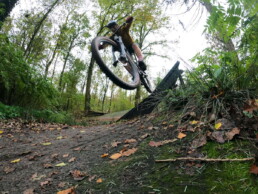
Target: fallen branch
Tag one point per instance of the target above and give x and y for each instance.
(206, 159)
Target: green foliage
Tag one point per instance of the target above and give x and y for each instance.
(21, 84)
(9, 112)
(229, 64)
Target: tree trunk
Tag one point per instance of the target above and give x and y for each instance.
(105, 94)
(37, 28)
(111, 97)
(137, 96)
(65, 62)
(87, 106)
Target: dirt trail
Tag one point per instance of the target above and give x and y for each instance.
(29, 155)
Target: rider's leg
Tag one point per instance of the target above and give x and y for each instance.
(140, 56)
(138, 52)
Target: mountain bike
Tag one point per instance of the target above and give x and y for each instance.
(120, 65)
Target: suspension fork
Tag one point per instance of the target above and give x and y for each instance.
(118, 39)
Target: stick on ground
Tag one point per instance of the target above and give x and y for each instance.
(206, 159)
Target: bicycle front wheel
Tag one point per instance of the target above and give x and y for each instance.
(122, 73)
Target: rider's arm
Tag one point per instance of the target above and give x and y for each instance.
(129, 21)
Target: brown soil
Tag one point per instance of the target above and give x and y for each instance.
(28, 160)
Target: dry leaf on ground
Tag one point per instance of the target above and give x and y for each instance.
(8, 169)
(251, 105)
(115, 156)
(145, 135)
(130, 141)
(218, 126)
(61, 164)
(198, 142)
(115, 144)
(16, 160)
(129, 152)
(28, 191)
(46, 144)
(47, 165)
(218, 136)
(254, 169)
(62, 184)
(47, 182)
(194, 122)
(232, 133)
(104, 155)
(67, 191)
(181, 135)
(72, 159)
(160, 143)
(99, 180)
(78, 175)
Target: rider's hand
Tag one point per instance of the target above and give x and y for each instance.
(129, 19)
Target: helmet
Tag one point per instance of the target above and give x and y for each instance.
(111, 23)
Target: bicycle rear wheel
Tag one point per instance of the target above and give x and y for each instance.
(122, 73)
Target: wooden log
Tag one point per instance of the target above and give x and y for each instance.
(149, 103)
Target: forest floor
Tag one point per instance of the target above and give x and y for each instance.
(118, 158)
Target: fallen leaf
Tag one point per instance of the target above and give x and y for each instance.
(225, 124)
(59, 137)
(194, 122)
(254, 169)
(145, 136)
(8, 169)
(90, 179)
(47, 165)
(164, 123)
(251, 105)
(61, 164)
(47, 182)
(72, 159)
(99, 180)
(77, 149)
(115, 144)
(160, 143)
(218, 126)
(129, 152)
(1, 132)
(78, 175)
(28, 191)
(67, 191)
(46, 144)
(115, 156)
(218, 136)
(104, 155)
(198, 142)
(181, 135)
(65, 155)
(36, 177)
(232, 133)
(130, 141)
(16, 160)
(62, 184)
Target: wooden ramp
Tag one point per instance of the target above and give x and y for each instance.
(149, 103)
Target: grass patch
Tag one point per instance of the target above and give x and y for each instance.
(10, 112)
(139, 172)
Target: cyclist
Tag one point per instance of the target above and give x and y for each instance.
(127, 39)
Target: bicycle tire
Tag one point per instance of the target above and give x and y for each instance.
(134, 79)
